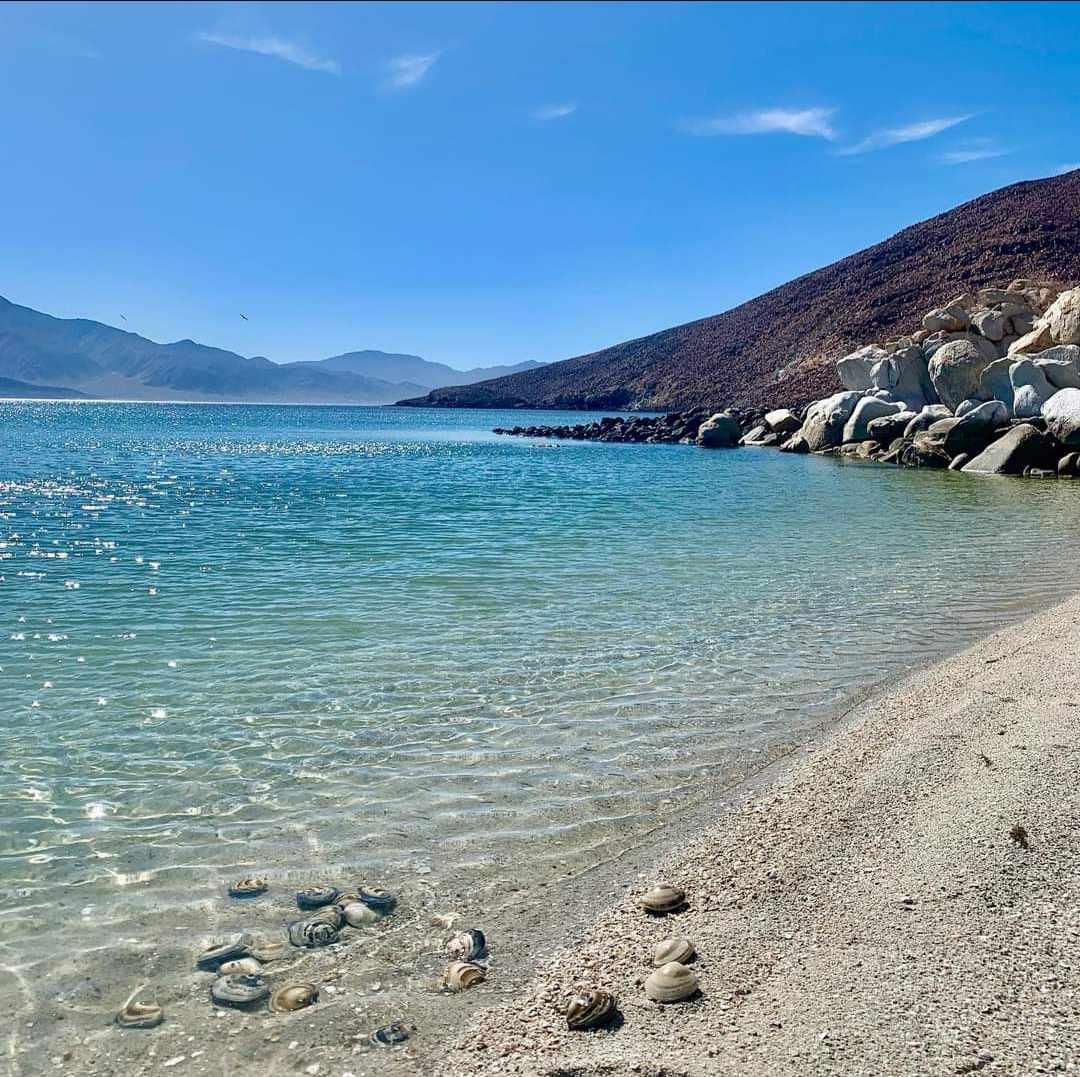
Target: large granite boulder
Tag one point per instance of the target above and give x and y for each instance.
(1062, 415)
(926, 418)
(1023, 446)
(995, 383)
(972, 432)
(855, 369)
(888, 428)
(1061, 365)
(952, 318)
(1062, 318)
(905, 376)
(992, 324)
(1039, 339)
(867, 409)
(721, 431)
(955, 369)
(782, 421)
(823, 424)
(1031, 389)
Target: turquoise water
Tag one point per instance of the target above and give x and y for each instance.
(380, 643)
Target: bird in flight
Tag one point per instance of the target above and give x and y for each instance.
(122, 316)
(244, 316)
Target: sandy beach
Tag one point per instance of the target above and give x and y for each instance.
(869, 912)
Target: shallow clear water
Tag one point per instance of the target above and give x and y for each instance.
(340, 643)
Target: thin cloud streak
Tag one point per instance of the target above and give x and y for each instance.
(405, 72)
(975, 150)
(554, 112)
(808, 122)
(895, 136)
(290, 51)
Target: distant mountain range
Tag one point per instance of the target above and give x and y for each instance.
(781, 347)
(42, 356)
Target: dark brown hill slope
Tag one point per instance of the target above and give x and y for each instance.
(779, 347)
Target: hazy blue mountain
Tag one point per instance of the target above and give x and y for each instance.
(23, 390)
(394, 366)
(92, 359)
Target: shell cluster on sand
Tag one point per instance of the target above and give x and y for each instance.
(677, 949)
(469, 967)
(663, 899)
(672, 982)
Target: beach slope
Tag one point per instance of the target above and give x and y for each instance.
(905, 899)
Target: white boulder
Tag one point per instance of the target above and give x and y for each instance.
(1031, 389)
(721, 431)
(870, 407)
(1061, 365)
(955, 369)
(1062, 319)
(855, 369)
(1062, 415)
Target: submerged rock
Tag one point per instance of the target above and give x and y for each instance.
(1022, 447)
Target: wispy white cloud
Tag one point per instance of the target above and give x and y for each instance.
(912, 132)
(811, 122)
(974, 149)
(1062, 169)
(404, 72)
(554, 112)
(278, 47)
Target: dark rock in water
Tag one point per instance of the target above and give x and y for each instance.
(1022, 447)
(1069, 464)
(888, 428)
(1040, 473)
(926, 449)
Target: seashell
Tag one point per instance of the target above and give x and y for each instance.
(374, 897)
(328, 914)
(389, 1035)
(314, 897)
(312, 933)
(249, 886)
(358, 915)
(239, 991)
(139, 1014)
(267, 950)
(211, 959)
(590, 1009)
(293, 997)
(469, 945)
(346, 897)
(663, 899)
(461, 975)
(680, 950)
(240, 966)
(671, 983)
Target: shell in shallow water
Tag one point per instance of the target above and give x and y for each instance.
(293, 997)
(249, 886)
(469, 945)
(671, 983)
(312, 933)
(212, 958)
(590, 1009)
(240, 966)
(374, 897)
(461, 975)
(389, 1035)
(681, 950)
(314, 897)
(359, 915)
(134, 1014)
(239, 991)
(663, 899)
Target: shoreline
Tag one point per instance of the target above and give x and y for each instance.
(935, 945)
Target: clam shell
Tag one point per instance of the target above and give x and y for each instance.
(374, 897)
(346, 897)
(293, 997)
(240, 966)
(359, 915)
(249, 886)
(267, 950)
(663, 899)
(212, 958)
(671, 983)
(135, 1014)
(239, 991)
(469, 945)
(314, 897)
(461, 975)
(590, 1009)
(328, 914)
(388, 1035)
(678, 949)
(312, 933)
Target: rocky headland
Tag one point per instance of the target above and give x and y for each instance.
(990, 384)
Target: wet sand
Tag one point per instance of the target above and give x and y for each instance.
(858, 907)
(872, 911)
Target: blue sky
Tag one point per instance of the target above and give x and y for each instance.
(498, 182)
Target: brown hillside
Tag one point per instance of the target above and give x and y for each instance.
(779, 347)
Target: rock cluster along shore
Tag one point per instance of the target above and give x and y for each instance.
(989, 385)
